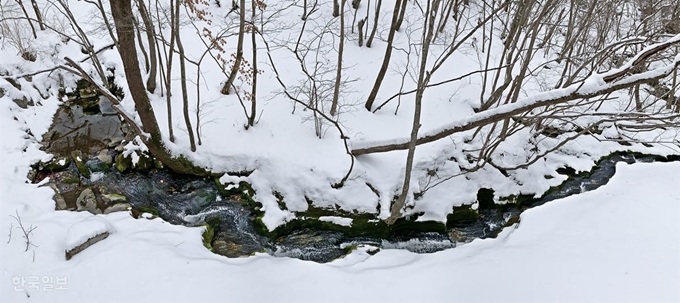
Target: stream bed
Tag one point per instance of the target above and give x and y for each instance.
(90, 173)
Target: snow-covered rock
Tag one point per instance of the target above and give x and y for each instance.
(85, 233)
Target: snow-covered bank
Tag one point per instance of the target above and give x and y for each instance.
(617, 243)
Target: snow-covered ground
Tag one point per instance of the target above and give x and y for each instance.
(619, 243)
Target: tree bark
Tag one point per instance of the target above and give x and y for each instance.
(423, 79)
(386, 59)
(183, 81)
(123, 19)
(150, 36)
(402, 13)
(38, 15)
(239, 50)
(253, 92)
(338, 75)
(369, 42)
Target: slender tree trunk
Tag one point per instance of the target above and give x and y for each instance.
(386, 59)
(361, 31)
(141, 46)
(150, 36)
(239, 50)
(402, 13)
(109, 28)
(336, 8)
(369, 42)
(253, 92)
(123, 19)
(38, 15)
(183, 81)
(28, 18)
(338, 75)
(168, 76)
(423, 79)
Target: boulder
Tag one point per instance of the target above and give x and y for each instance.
(123, 163)
(79, 160)
(87, 202)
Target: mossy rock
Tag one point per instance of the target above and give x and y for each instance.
(79, 160)
(144, 162)
(57, 164)
(96, 165)
(211, 226)
(123, 163)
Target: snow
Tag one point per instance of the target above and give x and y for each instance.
(337, 220)
(617, 243)
(88, 228)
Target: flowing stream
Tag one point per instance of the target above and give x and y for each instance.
(193, 201)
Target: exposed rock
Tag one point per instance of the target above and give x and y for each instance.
(123, 163)
(23, 102)
(72, 130)
(87, 202)
(116, 141)
(117, 207)
(143, 163)
(60, 203)
(106, 107)
(105, 156)
(111, 199)
(79, 160)
(57, 164)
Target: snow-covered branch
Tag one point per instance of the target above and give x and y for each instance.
(595, 85)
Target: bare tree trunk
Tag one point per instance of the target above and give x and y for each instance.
(168, 76)
(402, 13)
(141, 46)
(28, 18)
(304, 10)
(150, 36)
(183, 81)
(109, 28)
(338, 75)
(38, 15)
(423, 79)
(375, 24)
(361, 31)
(253, 93)
(239, 50)
(386, 59)
(336, 8)
(123, 19)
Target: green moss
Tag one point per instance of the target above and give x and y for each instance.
(58, 164)
(211, 226)
(79, 160)
(144, 162)
(71, 180)
(123, 163)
